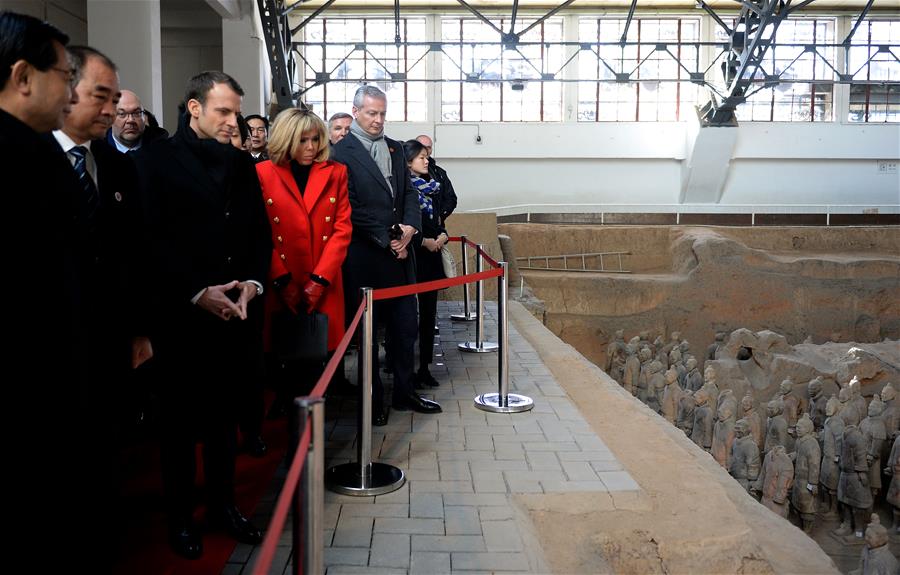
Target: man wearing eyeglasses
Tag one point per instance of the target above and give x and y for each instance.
(47, 318)
(129, 129)
(259, 137)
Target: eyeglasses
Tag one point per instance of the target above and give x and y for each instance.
(68, 72)
(136, 115)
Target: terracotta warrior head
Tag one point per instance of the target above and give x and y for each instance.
(876, 534)
(804, 425)
(774, 408)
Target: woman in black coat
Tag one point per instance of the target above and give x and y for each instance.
(428, 243)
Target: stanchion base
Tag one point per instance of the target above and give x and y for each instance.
(464, 316)
(346, 480)
(473, 347)
(515, 403)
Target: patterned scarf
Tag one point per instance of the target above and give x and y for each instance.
(426, 189)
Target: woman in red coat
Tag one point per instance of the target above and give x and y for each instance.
(309, 212)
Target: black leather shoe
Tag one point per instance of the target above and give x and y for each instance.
(379, 418)
(255, 446)
(416, 403)
(424, 378)
(185, 540)
(230, 520)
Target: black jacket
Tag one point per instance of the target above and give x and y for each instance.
(369, 259)
(199, 233)
(448, 195)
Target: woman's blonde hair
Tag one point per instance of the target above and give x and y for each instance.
(289, 125)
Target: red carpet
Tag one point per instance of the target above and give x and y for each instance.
(143, 548)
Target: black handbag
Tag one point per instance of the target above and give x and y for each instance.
(300, 337)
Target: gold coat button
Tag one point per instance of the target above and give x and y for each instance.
(276, 220)
(324, 238)
(283, 257)
(269, 202)
(327, 218)
(332, 199)
(280, 240)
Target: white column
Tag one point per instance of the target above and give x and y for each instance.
(244, 58)
(129, 33)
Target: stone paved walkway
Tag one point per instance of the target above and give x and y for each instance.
(454, 514)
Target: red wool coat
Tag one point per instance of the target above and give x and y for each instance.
(310, 234)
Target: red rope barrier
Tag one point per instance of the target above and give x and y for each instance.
(388, 293)
(325, 379)
(276, 525)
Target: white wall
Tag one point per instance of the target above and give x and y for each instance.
(638, 166)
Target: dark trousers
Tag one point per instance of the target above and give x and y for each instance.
(427, 317)
(203, 373)
(399, 318)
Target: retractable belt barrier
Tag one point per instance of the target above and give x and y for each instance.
(365, 477)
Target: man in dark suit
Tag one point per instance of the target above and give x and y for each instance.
(46, 476)
(210, 252)
(130, 129)
(259, 137)
(381, 197)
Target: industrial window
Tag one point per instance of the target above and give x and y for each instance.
(485, 81)
(871, 61)
(339, 52)
(655, 54)
(794, 65)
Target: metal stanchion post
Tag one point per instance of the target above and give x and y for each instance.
(503, 402)
(479, 345)
(312, 506)
(466, 315)
(365, 478)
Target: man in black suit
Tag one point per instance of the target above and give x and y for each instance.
(46, 477)
(210, 253)
(381, 197)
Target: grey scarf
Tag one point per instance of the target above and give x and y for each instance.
(377, 148)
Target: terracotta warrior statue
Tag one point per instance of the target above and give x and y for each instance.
(893, 494)
(710, 385)
(615, 347)
(876, 558)
(723, 435)
(776, 426)
(872, 428)
(848, 411)
(745, 460)
(853, 485)
(791, 405)
(676, 363)
(713, 350)
(891, 413)
(807, 459)
(856, 397)
(632, 371)
(750, 413)
(685, 417)
(670, 397)
(817, 401)
(775, 481)
(674, 342)
(702, 431)
(694, 379)
(646, 357)
(656, 382)
(832, 439)
(727, 396)
(685, 347)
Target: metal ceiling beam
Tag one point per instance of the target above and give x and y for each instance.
(271, 18)
(628, 22)
(479, 15)
(859, 21)
(307, 20)
(545, 16)
(712, 14)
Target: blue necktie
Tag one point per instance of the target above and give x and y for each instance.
(90, 197)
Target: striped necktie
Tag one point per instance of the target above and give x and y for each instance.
(90, 197)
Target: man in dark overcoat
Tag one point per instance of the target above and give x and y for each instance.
(381, 197)
(210, 252)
